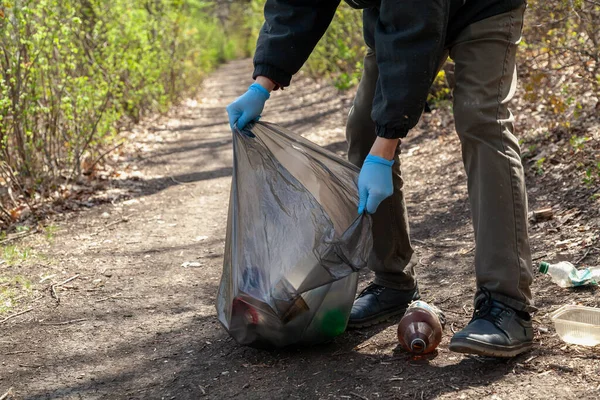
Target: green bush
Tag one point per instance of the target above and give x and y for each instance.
(71, 69)
(560, 70)
(561, 56)
(338, 56)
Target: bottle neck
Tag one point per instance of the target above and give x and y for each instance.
(418, 345)
(418, 336)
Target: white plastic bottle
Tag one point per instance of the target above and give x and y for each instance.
(566, 275)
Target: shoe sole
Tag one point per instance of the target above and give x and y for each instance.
(470, 346)
(376, 319)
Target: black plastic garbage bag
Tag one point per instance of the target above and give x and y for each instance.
(294, 240)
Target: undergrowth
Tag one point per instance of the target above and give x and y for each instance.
(73, 71)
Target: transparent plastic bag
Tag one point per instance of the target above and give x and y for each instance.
(294, 240)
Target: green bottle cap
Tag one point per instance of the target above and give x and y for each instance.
(544, 267)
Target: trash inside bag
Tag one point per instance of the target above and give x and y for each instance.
(294, 240)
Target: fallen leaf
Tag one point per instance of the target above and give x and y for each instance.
(19, 212)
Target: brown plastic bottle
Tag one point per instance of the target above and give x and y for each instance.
(420, 330)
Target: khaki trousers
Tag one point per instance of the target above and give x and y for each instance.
(485, 71)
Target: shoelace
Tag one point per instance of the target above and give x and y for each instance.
(484, 307)
(372, 288)
(494, 311)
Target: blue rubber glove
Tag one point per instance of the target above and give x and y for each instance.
(374, 183)
(248, 106)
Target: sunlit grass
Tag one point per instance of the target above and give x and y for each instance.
(13, 254)
(50, 232)
(13, 289)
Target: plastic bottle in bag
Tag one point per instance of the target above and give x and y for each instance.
(564, 274)
(294, 242)
(420, 330)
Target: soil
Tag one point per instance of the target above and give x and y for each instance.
(135, 324)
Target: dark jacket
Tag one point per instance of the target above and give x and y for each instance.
(409, 37)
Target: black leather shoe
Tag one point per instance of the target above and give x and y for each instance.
(495, 330)
(378, 303)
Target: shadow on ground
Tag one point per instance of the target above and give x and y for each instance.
(196, 358)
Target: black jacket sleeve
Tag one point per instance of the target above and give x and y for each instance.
(409, 40)
(291, 31)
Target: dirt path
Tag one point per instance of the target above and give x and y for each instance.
(135, 324)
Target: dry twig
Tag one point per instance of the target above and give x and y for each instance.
(16, 315)
(5, 395)
(362, 346)
(11, 353)
(73, 321)
(123, 219)
(114, 296)
(18, 236)
(67, 280)
(464, 307)
(53, 287)
(584, 256)
(91, 167)
(469, 251)
(359, 396)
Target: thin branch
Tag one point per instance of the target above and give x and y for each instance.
(584, 256)
(11, 353)
(5, 212)
(18, 236)
(91, 135)
(8, 171)
(16, 315)
(123, 219)
(91, 168)
(53, 287)
(73, 321)
(5, 395)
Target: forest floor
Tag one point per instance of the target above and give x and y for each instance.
(109, 312)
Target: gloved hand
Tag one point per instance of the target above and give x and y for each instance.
(248, 106)
(374, 183)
